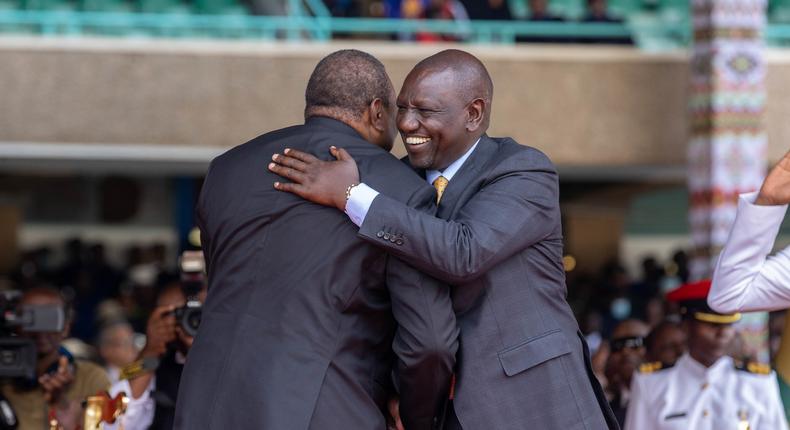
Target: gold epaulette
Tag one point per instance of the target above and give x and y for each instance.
(651, 367)
(754, 367)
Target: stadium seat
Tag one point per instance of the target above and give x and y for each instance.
(119, 6)
(624, 8)
(572, 10)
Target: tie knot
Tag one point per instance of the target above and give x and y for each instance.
(440, 184)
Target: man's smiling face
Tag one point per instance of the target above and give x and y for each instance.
(432, 118)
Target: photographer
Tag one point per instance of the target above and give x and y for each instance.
(153, 393)
(61, 383)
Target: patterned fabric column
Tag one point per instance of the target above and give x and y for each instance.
(726, 154)
(727, 150)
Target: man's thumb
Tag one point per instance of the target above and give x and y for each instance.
(340, 153)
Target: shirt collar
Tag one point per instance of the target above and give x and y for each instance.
(700, 371)
(452, 169)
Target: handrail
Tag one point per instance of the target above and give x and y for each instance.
(318, 28)
(323, 28)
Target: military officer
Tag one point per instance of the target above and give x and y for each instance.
(705, 389)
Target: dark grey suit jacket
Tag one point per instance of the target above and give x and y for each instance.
(497, 238)
(297, 330)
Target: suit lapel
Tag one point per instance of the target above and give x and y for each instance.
(466, 176)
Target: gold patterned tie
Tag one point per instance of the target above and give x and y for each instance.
(440, 184)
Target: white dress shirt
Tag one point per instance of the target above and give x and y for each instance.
(746, 279)
(691, 396)
(362, 196)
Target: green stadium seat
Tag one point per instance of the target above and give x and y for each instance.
(219, 7)
(50, 5)
(779, 11)
(624, 8)
(9, 5)
(163, 6)
(572, 10)
(675, 5)
(118, 6)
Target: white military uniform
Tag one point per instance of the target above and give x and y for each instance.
(746, 279)
(689, 396)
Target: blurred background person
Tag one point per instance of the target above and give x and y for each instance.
(665, 343)
(627, 352)
(116, 348)
(154, 390)
(705, 389)
(61, 383)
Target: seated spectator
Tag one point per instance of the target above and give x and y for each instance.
(116, 348)
(597, 11)
(490, 10)
(665, 343)
(62, 382)
(539, 11)
(627, 352)
(154, 392)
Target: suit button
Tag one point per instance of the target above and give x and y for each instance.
(386, 236)
(399, 242)
(380, 234)
(393, 239)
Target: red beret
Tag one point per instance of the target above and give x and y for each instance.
(691, 291)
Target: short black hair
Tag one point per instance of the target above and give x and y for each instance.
(344, 83)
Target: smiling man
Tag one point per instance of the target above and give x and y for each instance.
(496, 237)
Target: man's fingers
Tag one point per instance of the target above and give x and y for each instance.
(341, 154)
(289, 187)
(287, 173)
(301, 156)
(288, 161)
(162, 310)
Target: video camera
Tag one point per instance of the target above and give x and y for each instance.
(18, 354)
(193, 280)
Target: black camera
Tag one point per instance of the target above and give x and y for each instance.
(193, 280)
(18, 354)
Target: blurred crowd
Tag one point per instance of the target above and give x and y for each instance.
(631, 326)
(462, 11)
(122, 314)
(122, 333)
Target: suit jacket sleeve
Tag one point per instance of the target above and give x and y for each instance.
(425, 343)
(517, 206)
(200, 219)
(426, 338)
(744, 280)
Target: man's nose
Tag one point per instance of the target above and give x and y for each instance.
(407, 122)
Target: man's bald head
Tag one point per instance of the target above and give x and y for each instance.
(444, 107)
(470, 76)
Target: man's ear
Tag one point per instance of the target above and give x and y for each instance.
(475, 114)
(376, 115)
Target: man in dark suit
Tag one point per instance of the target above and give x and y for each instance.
(297, 330)
(497, 238)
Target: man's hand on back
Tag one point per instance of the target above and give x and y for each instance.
(776, 188)
(322, 182)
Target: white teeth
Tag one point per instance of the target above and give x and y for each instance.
(417, 140)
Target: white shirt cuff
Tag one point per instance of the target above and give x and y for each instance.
(359, 202)
(747, 203)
